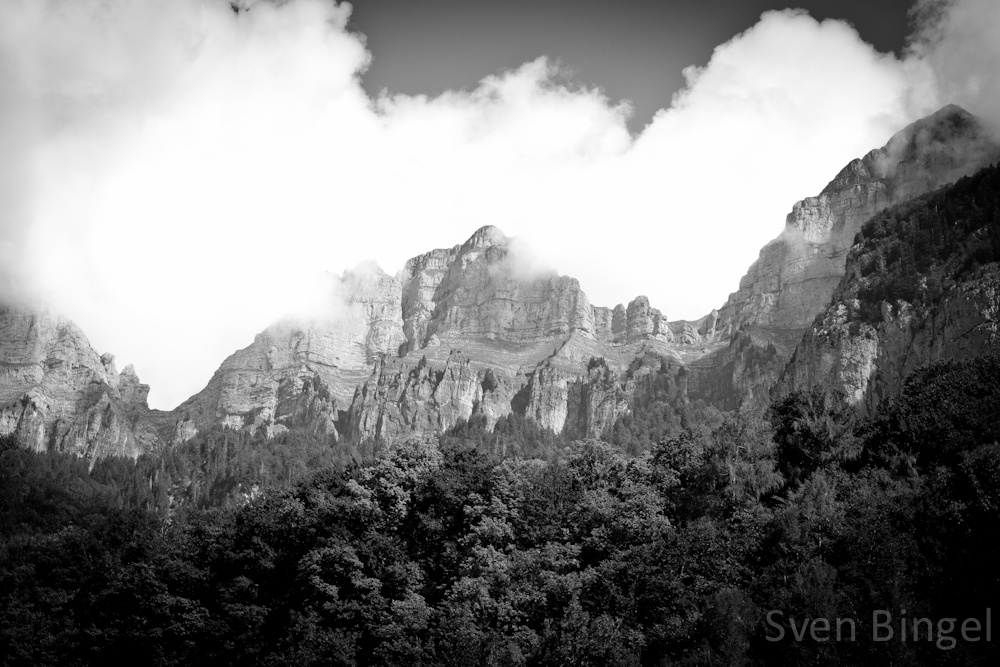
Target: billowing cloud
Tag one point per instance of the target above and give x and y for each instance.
(176, 174)
(959, 41)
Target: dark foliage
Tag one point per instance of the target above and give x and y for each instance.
(917, 251)
(451, 553)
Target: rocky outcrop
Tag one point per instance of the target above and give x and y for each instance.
(401, 399)
(483, 289)
(58, 394)
(404, 397)
(869, 362)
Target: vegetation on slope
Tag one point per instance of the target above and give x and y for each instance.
(921, 249)
(446, 553)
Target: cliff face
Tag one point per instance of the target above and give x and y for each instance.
(479, 329)
(869, 361)
(482, 289)
(300, 374)
(796, 274)
(57, 393)
(470, 330)
(922, 284)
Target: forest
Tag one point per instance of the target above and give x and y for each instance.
(441, 552)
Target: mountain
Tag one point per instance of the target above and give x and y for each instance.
(922, 284)
(475, 331)
(458, 332)
(477, 336)
(797, 273)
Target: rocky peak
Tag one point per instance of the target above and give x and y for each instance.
(108, 362)
(388, 358)
(57, 393)
(133, 391)
(643, 322)
(934, 151)
(365, 282)
(796, 274)
(487, 236)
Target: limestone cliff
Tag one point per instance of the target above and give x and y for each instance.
(480, 329)
(57, 393)
(301, 373)
(797, 273)
(795, 276)
(922, 284)
(468, 330)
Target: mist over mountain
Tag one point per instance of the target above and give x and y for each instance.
(485, 330)
(178, 172)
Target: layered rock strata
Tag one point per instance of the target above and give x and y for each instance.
(478, 329)
(462, 331)
(301, 373)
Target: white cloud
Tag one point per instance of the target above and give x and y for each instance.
(191, 169)
(959, 41)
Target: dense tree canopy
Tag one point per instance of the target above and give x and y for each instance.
(453, 551)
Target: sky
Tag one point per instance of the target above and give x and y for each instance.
(631, 49)
(175, 174)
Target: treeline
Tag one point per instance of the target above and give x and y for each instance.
(457, 552)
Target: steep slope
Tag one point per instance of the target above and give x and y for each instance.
(922, 284)
(798, 271)
(57, 393)
(796, 274)
(301, 374)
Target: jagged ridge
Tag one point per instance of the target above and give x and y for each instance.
(469, 330)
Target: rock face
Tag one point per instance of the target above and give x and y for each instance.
(797, 273)
(914, 292)
(479, 330)
(463, 331)
(869, 361)
(301, 374)
(58, 394)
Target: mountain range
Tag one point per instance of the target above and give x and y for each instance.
(843, 299)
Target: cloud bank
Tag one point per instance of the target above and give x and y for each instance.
(174, 174)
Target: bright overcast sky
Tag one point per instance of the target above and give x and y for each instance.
(173, 172)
